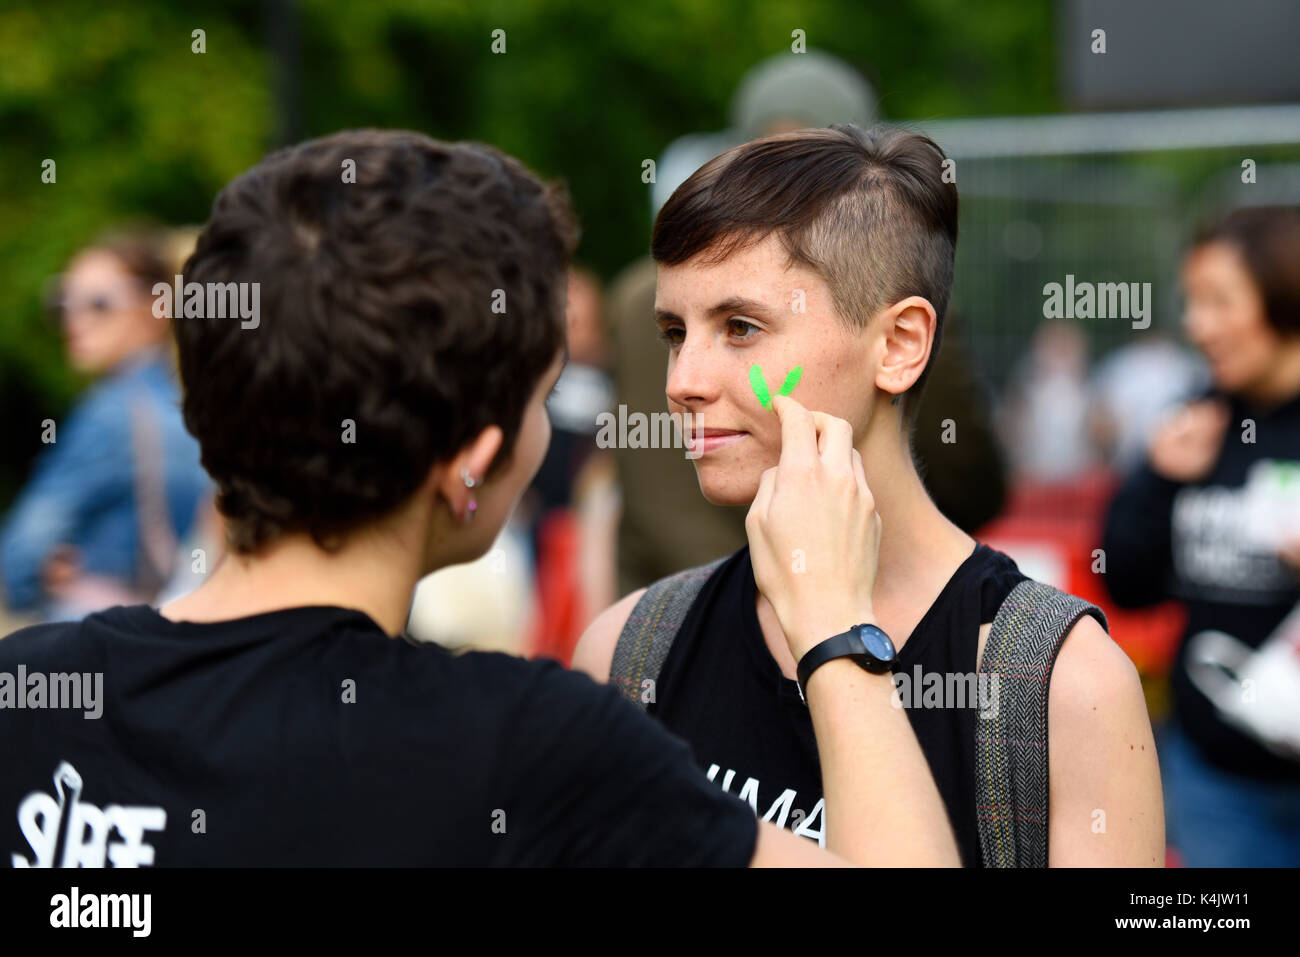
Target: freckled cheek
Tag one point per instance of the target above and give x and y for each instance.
(822, 392)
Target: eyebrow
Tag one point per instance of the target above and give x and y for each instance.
(731, 304)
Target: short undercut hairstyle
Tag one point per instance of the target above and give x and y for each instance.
(869, 211)
(412, 287)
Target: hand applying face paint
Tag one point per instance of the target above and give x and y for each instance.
(814, 533)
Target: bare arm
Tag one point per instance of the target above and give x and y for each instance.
(1106, 805)
(778, 847)
(594, 653)
(883, 807)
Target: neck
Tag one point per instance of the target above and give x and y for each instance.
(375, 572)
(919, 547)
(141, 354)
(1282, 382)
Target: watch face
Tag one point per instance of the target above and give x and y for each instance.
(877, 643)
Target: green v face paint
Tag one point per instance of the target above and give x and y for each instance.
(759, 384)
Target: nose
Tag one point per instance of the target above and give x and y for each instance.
(692, 375)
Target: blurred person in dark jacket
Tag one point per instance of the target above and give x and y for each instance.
(119, 482)
(1133, 389)
(1180, 527)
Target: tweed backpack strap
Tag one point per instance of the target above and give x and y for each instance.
(643, 644)
(1011, 772)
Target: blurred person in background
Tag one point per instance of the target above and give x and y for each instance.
(583, 392)
(120, 484)
(1134, 388)
(1044, 416)
(1179, 528)
(575, 496)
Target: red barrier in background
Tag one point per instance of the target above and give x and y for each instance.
(558, 624)
(1051, 530)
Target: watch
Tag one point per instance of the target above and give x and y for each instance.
(866, 644)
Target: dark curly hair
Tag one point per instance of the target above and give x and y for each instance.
(423, 300)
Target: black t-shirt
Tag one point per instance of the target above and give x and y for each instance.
(309, 737)
(722, 691)
(1187, 541)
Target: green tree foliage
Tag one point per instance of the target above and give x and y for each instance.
(139, 125)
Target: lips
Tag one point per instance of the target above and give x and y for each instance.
(703, 441)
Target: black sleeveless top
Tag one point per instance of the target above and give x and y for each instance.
(721, 690)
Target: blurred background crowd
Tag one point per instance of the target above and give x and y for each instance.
(1163, 151)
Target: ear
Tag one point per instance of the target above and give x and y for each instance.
(474, 458)
(907, 335)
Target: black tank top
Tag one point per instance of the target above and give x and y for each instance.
(721, 690)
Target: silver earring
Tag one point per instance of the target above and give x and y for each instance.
(469, 483)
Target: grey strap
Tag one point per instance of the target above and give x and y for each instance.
(645, 639)
(1011, 772)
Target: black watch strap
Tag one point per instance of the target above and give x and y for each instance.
(849, 644)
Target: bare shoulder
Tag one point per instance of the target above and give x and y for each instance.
(1091, 668)
(1094, 689)
(1106, 806)
(595, 651)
